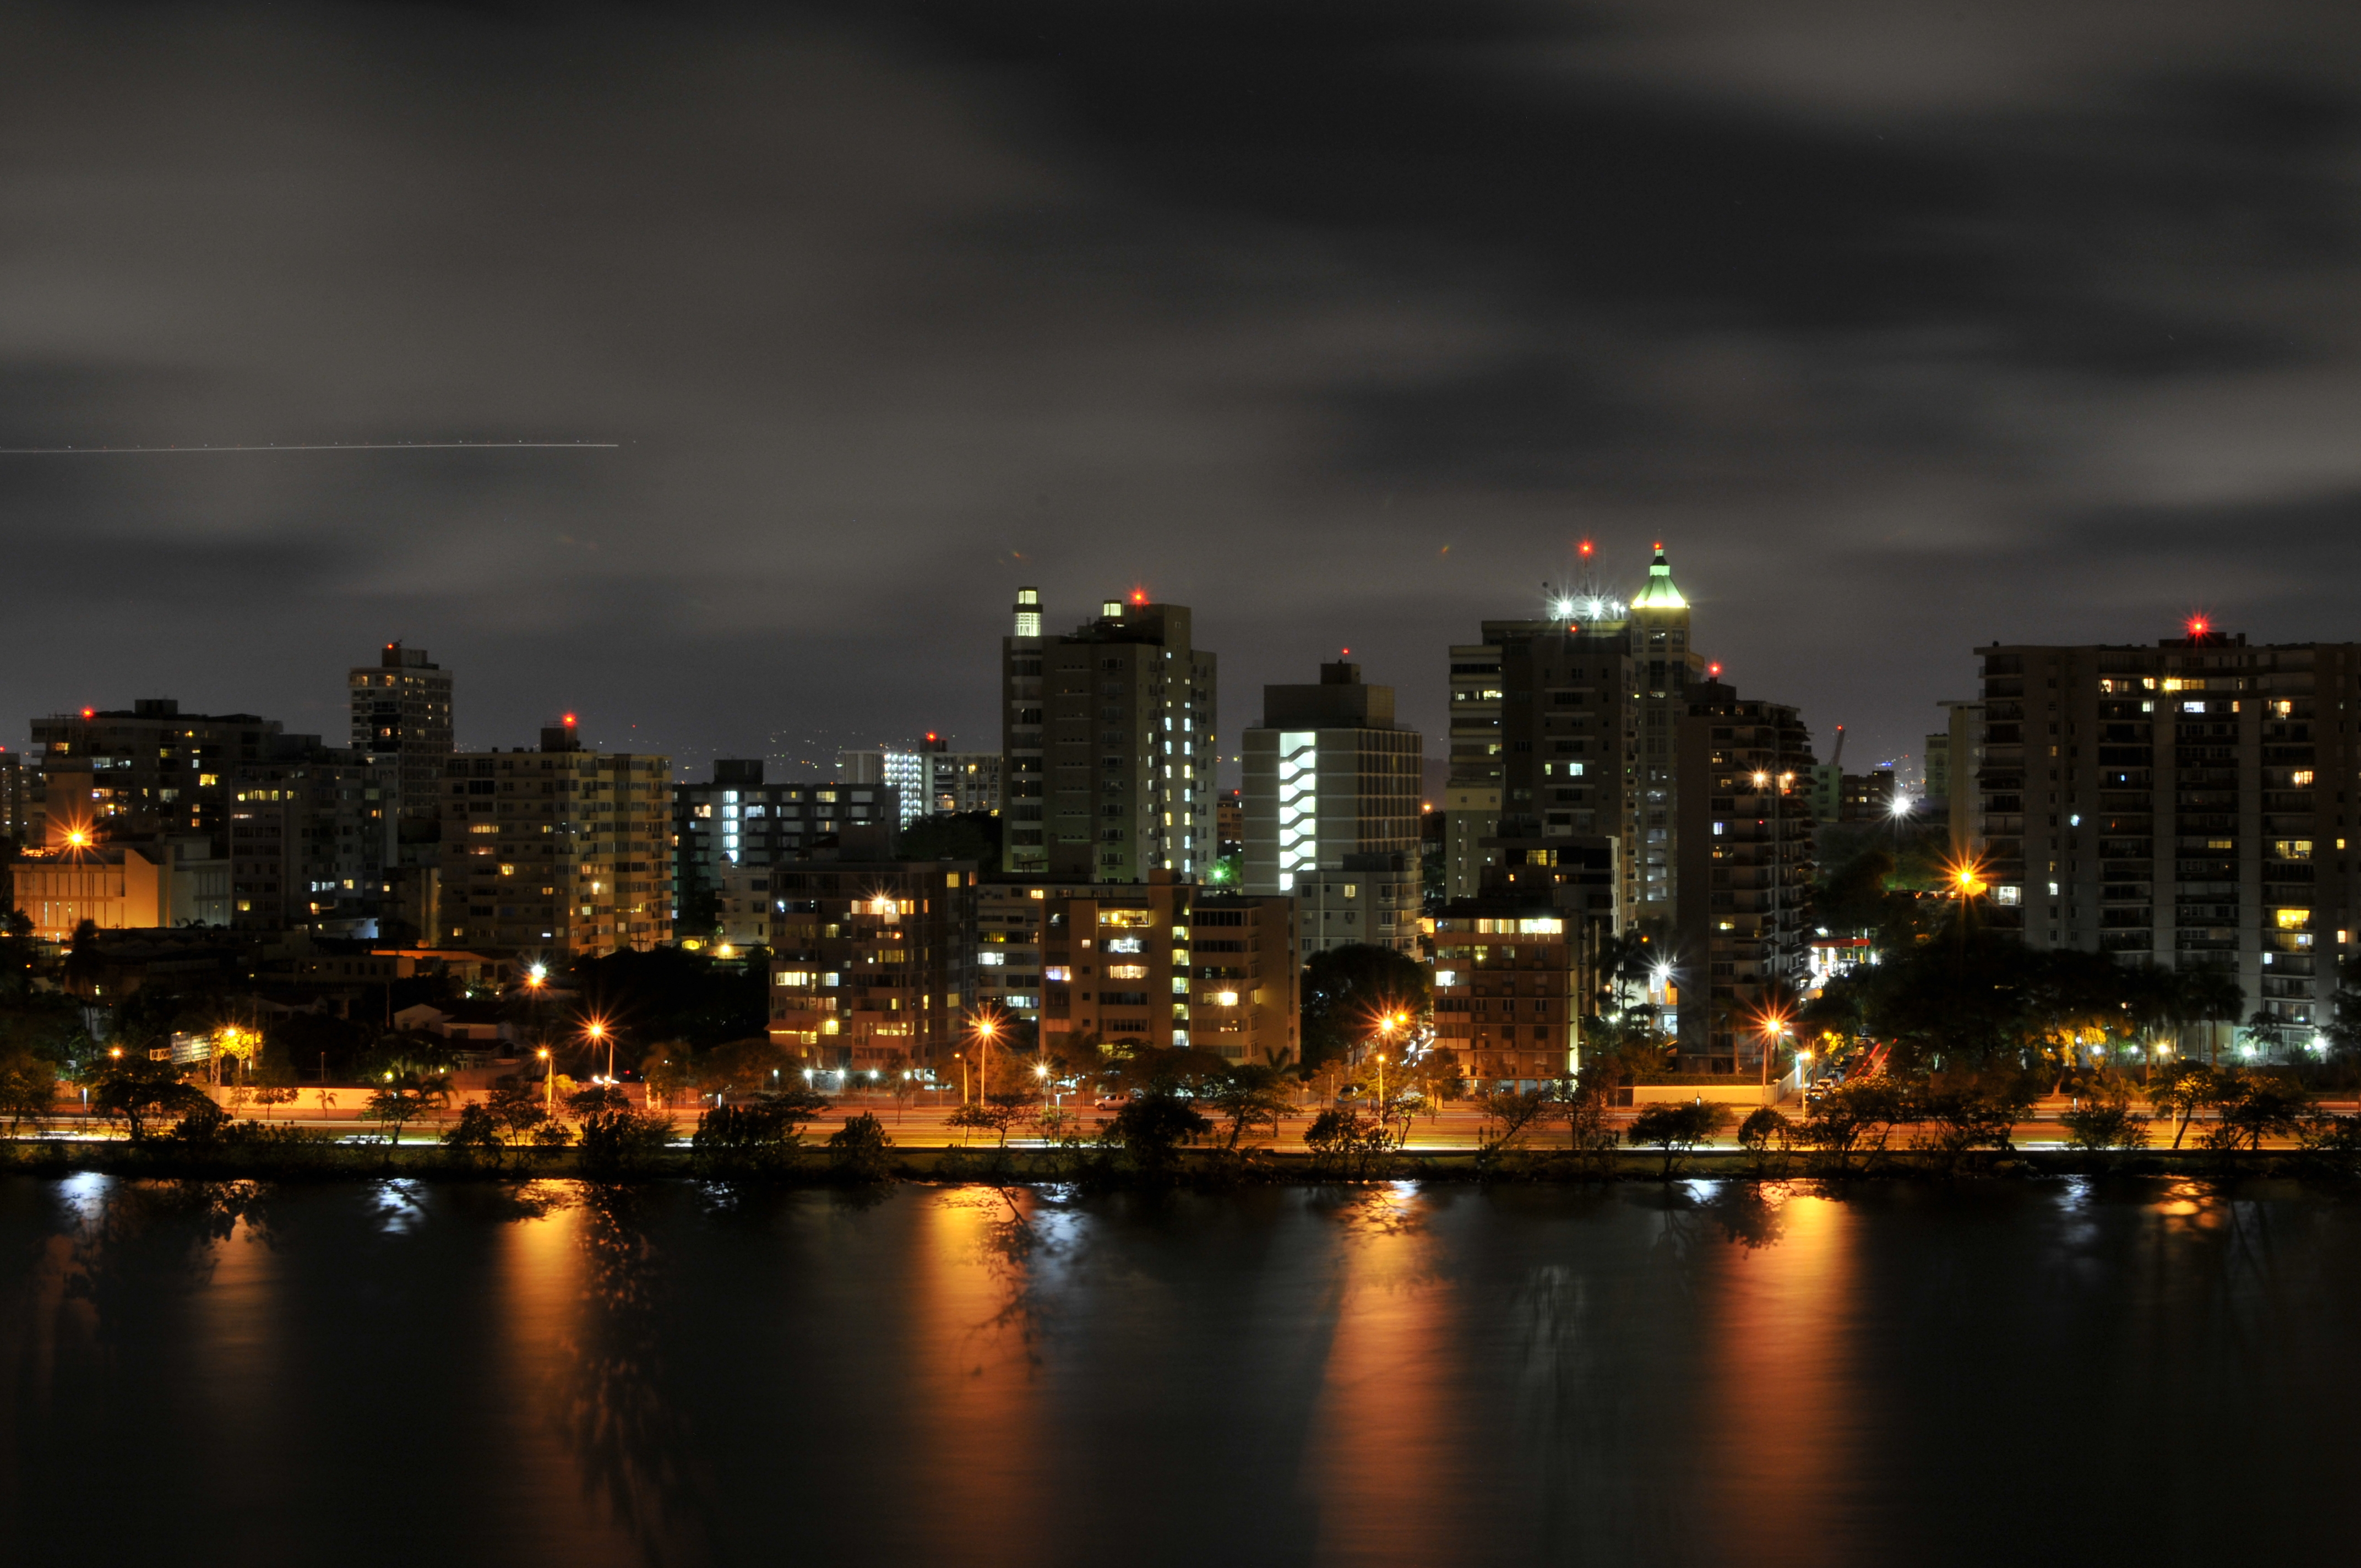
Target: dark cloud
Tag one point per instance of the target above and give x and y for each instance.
(1907, 331)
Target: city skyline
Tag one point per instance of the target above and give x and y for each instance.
(1905, 334)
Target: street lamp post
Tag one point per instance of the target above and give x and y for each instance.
(549, 1081)
(984, 1030)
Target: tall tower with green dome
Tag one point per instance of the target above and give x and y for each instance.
(1562, 726)
(1664, 667)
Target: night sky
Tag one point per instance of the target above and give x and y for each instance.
(1906, 328)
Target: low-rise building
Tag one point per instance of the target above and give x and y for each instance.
(121, 886)
(1510, 987)
(1168, 963)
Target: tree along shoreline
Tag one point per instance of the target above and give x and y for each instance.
(817, 1165)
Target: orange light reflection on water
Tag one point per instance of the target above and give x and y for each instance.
(1784, 1406)
(1391, 1432)
(977, 1439)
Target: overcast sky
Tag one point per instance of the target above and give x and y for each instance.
(1905, 328)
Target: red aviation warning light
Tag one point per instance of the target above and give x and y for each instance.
(569, 721)
(90, 713)
(1584, 548)
(1714, 670)
(2198, 626)
(1139, 595)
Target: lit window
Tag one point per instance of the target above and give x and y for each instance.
(1057, 972)
(2292, 919)
(2007, 894)
(1126, 972)
(2301, 778)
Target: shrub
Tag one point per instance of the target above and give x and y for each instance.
(622, 1143)
(857, 1151)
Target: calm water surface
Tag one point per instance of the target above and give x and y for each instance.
(405, 1373)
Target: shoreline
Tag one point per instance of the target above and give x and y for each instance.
(809, 1166)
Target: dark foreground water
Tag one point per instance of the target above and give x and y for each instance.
(412, 1373)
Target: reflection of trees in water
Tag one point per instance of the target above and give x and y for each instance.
(108, 1287)
(630, 1436)
(130, 1244)
(1012, 1249)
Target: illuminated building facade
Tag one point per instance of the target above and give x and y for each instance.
(934, 780)
(1508, 987)
(872, 966)
(738, 819)
(121, 887)
(1107, 745)
(146, 771)
(401, 710)
(2187, 805)
(1331, 784)
(1741, 947)
(1168, 963)
(559, 851)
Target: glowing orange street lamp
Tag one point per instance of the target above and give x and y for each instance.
(549, 1080)
(597, 1031)
(985, 1028)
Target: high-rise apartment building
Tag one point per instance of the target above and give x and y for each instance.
(1936, 785)
(1746, 872)
(561, 850)
(1108, 745)
(1371, 900)
(1331, 782)
(146, 771)
(307, 840)
(934, 780)
(873, 965)
(739, 819)
(2187, 805)
(1964, 762)
(1573, 719)
(19, 800)
(401, 713)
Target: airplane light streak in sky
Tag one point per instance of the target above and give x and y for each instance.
(322, 446)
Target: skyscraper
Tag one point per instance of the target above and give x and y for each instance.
(1332, 787)
(1572, 718)
(402, 709)
(1120, 777)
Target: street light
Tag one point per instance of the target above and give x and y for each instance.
(596, 1030)
(986, 1026)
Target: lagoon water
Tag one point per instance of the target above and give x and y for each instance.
(2047, 1372)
